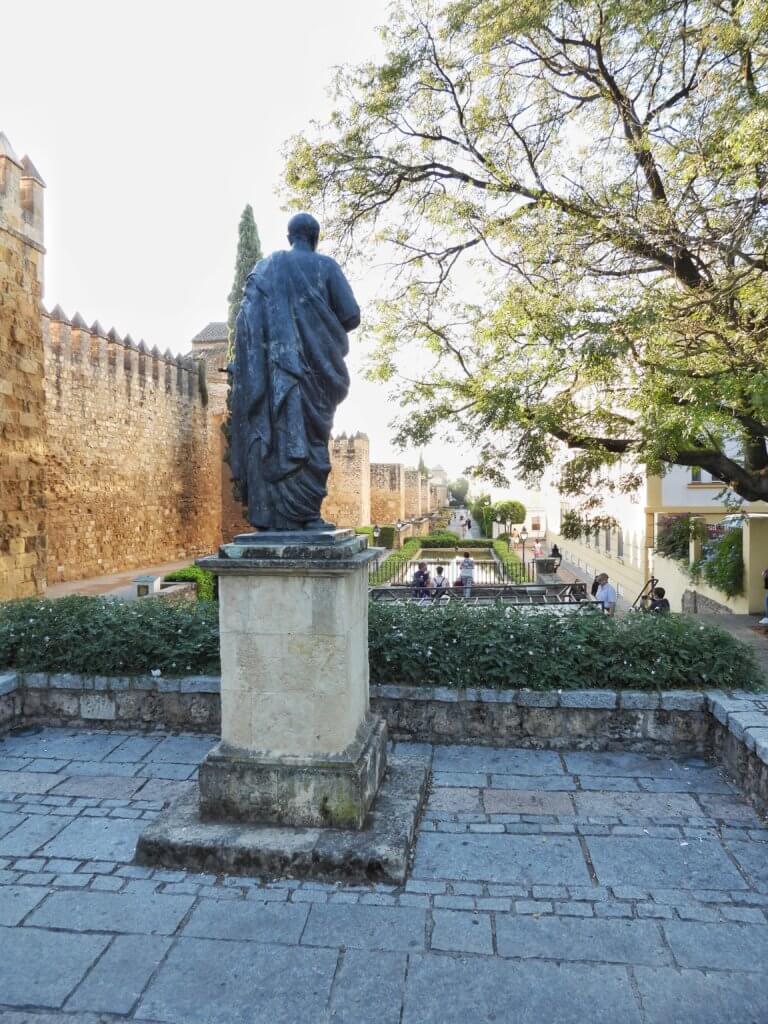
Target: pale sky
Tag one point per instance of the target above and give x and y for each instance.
(153, 124)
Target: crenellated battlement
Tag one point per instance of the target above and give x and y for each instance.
(341, 443)
(21, 196)
(71, 343)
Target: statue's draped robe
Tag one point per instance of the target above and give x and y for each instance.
(288, 377)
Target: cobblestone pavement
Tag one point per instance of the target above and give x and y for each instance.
(567, 887)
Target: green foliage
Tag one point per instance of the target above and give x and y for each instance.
(206, 581)
(599, 171)
(456, 645)
(248, 255)
(481, 511)
(459, 489)
(499, 646)
(724, 568)
(440, 539)
(387, 536)
(509, 512)
(571, 524)
(365, 531)
(502, 548)
(674, 536)
(392, 565)
(97, 636)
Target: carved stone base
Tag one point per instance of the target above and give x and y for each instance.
(377, 853)
(317, 791)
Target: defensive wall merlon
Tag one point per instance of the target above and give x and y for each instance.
(73, 342)
(21, 196)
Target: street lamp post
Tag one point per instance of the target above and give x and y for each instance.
(523, 539)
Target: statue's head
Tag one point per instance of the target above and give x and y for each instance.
(304, 227)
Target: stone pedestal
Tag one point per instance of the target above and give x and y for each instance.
(298, 743)
(297, 784)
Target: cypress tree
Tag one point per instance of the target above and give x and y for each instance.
(248, 254)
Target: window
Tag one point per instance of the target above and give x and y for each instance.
(695, 474)
(535, 524)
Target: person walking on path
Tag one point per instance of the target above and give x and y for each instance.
(467, 573)
(606, 593)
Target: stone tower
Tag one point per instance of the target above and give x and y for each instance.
(349, 484)
(22, 394)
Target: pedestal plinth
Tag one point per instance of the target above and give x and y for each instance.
(290, 788)
(299, 745)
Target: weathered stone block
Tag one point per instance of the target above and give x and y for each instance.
(98, 706)
(333, 791)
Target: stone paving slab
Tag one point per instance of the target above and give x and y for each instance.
(489, 990)
(201, 983)
(573, 938)
(121, 975)
(112, 912)
(698, 998)
(662, 863)
(95, 839)
(40, 968)
(521, 860)
(620, 887)
(753, 861)
(498, 760)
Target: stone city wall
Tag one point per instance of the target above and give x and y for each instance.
(133, 456)
(22, 397)
(387, 492)
(348, 503)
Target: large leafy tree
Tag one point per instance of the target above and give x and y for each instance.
(576, 194)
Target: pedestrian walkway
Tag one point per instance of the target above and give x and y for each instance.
(577, 887)
(746, 629)
(455, 525)
(119, 584)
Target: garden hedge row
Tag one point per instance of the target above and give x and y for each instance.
(454, 645)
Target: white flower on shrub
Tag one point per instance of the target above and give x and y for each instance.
(156, 672)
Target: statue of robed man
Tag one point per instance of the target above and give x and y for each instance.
(288, 376)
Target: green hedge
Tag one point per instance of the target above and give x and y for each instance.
(437, 540)
(206, 581)
(387, 536)
(98, 636)
(452, 645)
(366, 531)
(501, 647)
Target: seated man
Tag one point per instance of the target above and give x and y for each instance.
(421, 581)
(659, 602)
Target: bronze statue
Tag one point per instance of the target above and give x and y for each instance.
(288, 376)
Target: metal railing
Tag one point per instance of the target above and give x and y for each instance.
(486, 572)
(570, 595)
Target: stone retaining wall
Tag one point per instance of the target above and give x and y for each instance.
(733, 727)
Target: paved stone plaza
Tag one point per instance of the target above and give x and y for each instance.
(546, 886)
